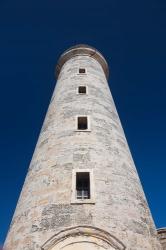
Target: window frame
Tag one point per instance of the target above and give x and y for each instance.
(82, 185)
(82, 93)
(82, 73)
(74, 199)
(88, 124)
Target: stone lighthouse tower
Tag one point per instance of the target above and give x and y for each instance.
(82, 190)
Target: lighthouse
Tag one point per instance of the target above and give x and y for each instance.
(82, 190)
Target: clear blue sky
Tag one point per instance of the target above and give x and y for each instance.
(131, 35)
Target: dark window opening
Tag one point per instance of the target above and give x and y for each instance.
(82, 90)
(81, 71)
(82, 185)
(82, 123)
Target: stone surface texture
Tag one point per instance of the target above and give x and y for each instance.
(162, 237)
(44, 208)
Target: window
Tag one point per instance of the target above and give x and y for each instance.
(82, 185)
(82, 90)
(82, 71)
(82, 123)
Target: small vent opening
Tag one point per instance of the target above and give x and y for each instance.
(81, 71)
(82, 89)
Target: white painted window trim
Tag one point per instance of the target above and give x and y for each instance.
(82, 130)
(74, 199)
(82, 93)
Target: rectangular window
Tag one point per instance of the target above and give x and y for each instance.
(82, 71)
(82, 123)
(82, 89)
(82, 185)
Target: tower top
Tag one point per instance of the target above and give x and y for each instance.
(85, 50)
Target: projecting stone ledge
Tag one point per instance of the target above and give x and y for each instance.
(162, 237)
(84, 50)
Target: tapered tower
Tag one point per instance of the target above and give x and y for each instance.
(82, 190)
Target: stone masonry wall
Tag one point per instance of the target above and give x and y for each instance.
(162, 237)
(44, 207)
